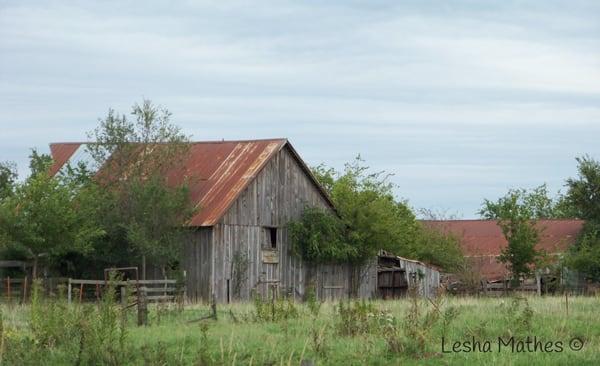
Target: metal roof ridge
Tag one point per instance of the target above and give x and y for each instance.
(189, 142)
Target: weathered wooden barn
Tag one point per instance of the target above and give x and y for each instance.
(238, 243)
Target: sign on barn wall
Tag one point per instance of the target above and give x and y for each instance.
(270, 256)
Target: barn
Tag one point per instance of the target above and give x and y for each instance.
(238, 243)
(482, 242)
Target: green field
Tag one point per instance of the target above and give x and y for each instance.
(379, 333)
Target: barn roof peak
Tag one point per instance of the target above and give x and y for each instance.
(225, 169)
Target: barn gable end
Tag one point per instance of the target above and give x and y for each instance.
(250, 242)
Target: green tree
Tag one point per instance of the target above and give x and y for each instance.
(320, 237)
(584, 191)
(374, 219)
(39, 163)
(144, 212)
(368, 218)
(437, 248)
(8, 176)
(43, 218)
(584, 256)
(537, 203)
(516, 213)
(583, 196)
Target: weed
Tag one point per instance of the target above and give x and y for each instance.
(203, 357)
(449, 315)
(155, 354)
(314, 305)
(1, 336)
(274, 310)
(419, 324)
(356, 317)
(518, 315)
(391, 332)
(318, 340)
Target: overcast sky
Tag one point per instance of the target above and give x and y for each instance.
(460, 100)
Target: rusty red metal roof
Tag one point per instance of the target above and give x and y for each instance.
(217, 171)
(482, 240)
(61, 154)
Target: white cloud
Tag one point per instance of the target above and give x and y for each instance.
(476, 95)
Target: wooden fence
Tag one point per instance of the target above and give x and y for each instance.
(152, 290)
(166, 290)
(504, 287)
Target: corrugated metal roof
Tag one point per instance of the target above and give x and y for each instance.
(61, 153)
(383, 253)
(482, 240)
(217, 171)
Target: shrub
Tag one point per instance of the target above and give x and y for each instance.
(91, 335)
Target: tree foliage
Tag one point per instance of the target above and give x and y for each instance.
(8, 177)
(319, 237)
(147, 146)
(144, 213)
(535, 204)
(583, 193)
(438, 248)
(44, 217)
(368, 218)
(584, 256)
(516, 213)
(583, 196)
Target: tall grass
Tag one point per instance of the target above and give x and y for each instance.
(408, 331)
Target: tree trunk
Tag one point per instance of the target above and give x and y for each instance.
(35, 267)
(143, 267)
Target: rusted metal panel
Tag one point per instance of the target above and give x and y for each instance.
(61, 153)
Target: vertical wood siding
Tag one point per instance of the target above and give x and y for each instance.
(197, 262)
(429, 283)
(277, 195)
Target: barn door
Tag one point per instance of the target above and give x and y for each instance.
(332, 279)
(392, 283)
(269, 277)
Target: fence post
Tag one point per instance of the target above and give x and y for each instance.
(24, 289)
(8, 287)
(184, 286)
(69, 291)
(142, 307)
(124, 295)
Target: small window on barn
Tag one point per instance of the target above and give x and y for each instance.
(272, 237)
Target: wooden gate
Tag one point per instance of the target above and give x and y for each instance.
(391, 283)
